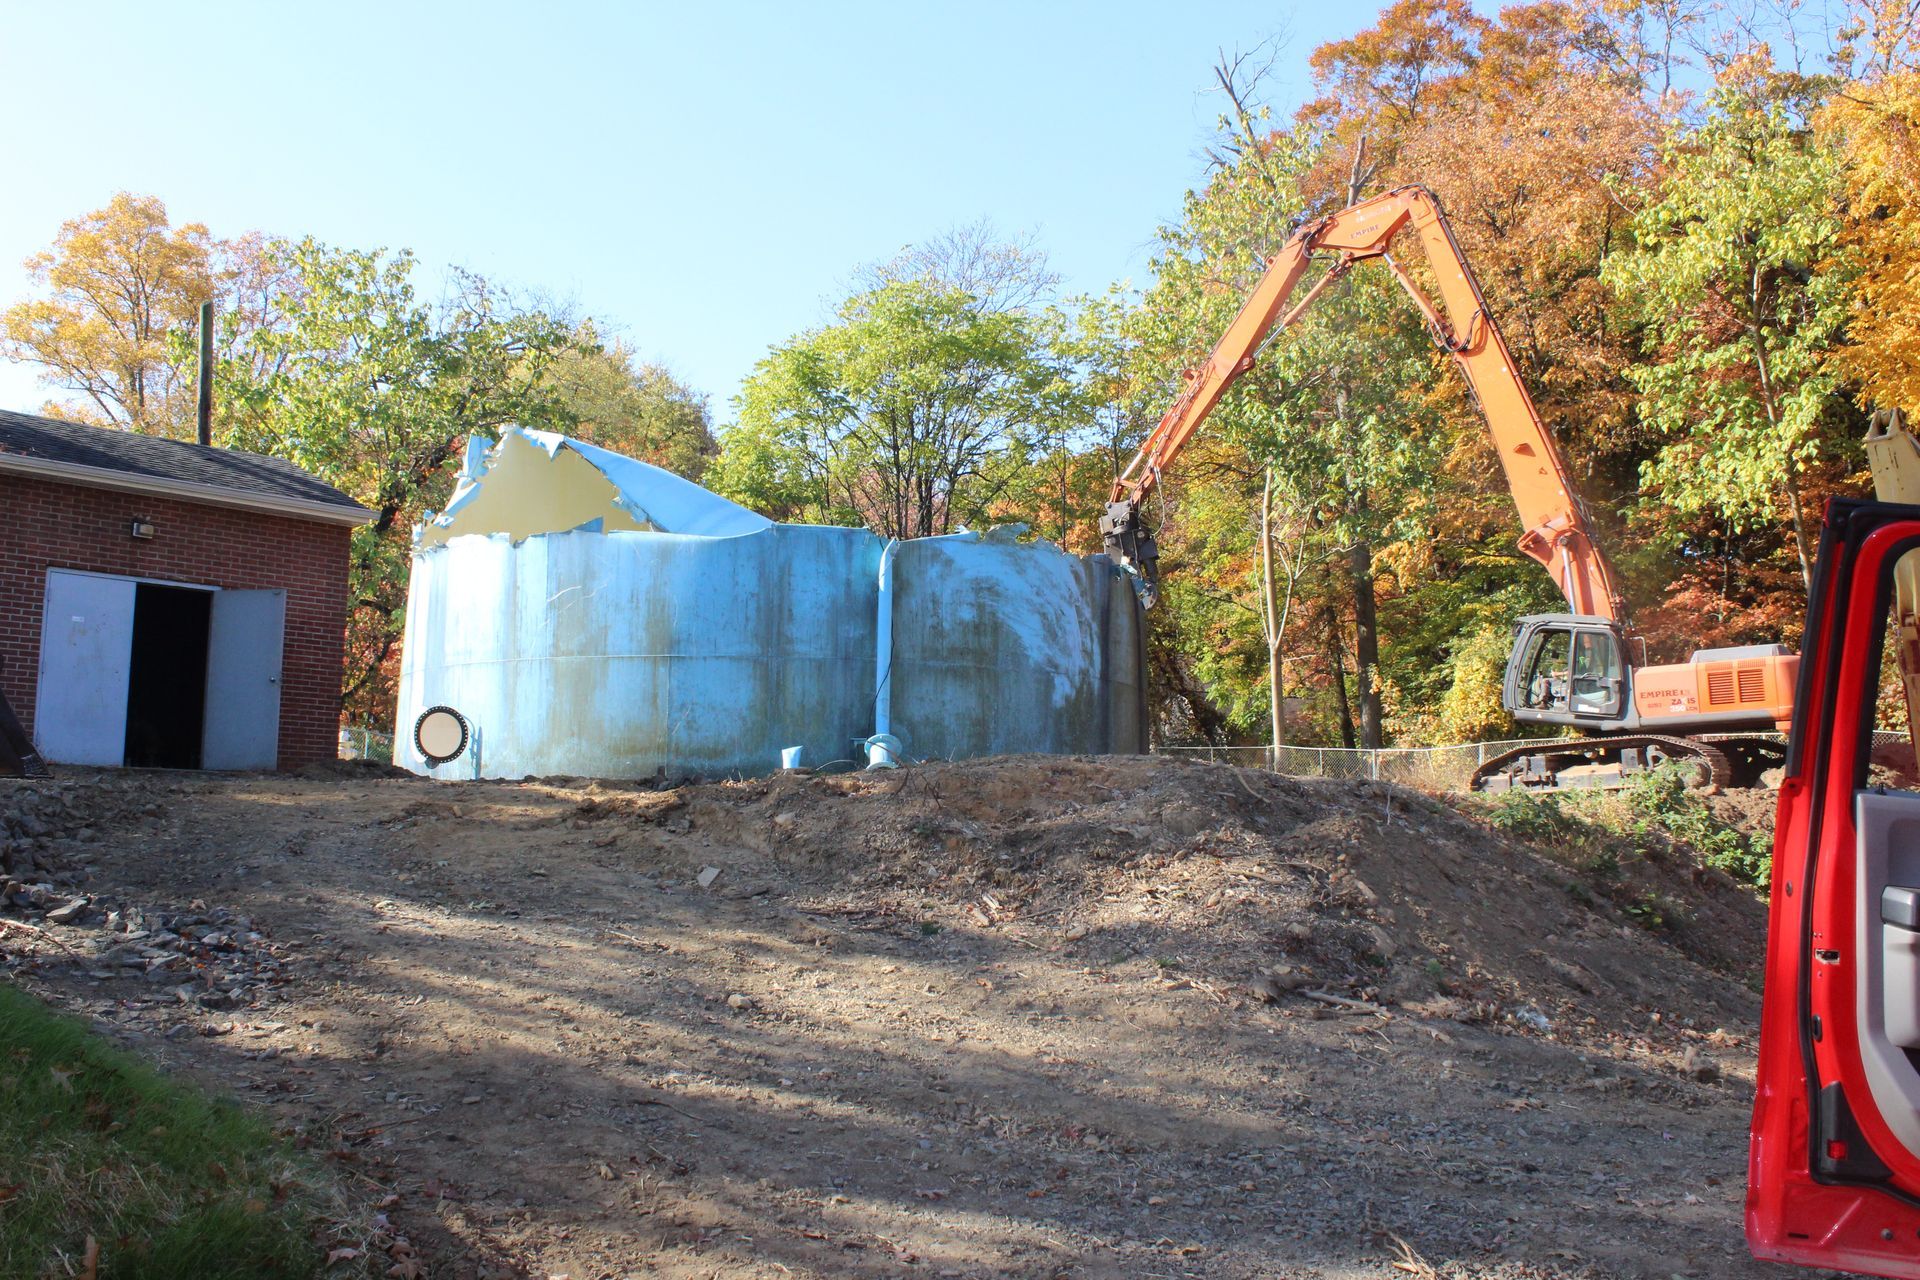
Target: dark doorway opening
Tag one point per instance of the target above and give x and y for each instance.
(167, 679)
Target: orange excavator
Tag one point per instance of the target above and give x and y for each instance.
(1584, 670)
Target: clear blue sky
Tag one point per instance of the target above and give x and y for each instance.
(702, 178)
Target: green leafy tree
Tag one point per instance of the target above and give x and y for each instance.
(1333, 411)
(900, 416)
(615, 400)
(1738, 278)
(1084, 427)
(375, 390)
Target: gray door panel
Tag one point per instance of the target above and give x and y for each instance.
(86, 654)
(244, 647)
(1887, 824)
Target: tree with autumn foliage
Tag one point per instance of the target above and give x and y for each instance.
(1739, 279)
(1876, 137)
(121, 287)
(1674, 282)
(1870, 124)
(1517, 124)
(1323, 422)
(330, 358)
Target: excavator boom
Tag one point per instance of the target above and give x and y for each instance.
(1557, 530)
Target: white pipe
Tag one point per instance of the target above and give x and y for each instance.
(883, 644)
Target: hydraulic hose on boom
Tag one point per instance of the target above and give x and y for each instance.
(1558, 532)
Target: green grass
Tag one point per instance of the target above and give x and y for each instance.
(1662, 800)
(1530, 816)
(166, 1180)
(1657, 807)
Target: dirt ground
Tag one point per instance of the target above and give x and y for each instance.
(1019, 1017)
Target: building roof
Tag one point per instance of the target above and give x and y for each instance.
(108, 458)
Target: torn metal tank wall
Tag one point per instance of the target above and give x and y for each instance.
(588, 614)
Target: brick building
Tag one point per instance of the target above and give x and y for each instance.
(168, 604)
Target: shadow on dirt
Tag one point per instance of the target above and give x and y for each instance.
(996, 1018)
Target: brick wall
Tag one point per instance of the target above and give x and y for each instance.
(44, 525)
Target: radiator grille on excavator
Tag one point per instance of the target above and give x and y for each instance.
(1735, 683)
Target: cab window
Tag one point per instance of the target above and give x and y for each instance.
(1597, 675)
(1546, 671)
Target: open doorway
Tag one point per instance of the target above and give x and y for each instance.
(159, 674)
(167, 676)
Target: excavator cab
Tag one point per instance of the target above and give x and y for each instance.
(1568, 669)
(1589, 674)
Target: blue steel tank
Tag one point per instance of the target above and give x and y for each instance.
(585, 614)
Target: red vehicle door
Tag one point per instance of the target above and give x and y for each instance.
(1834, 1160)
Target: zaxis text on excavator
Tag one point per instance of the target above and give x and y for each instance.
(1584, 670)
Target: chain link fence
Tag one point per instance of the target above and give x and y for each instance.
(1447, 768)
(366, 744)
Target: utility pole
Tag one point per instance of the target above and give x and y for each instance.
(206, 373)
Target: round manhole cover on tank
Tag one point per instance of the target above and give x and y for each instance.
(441, 734)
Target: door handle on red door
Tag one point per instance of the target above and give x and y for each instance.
(1900, 907)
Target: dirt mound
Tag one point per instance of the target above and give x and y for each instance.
(1252, 885)
(351, 770)
(1750, 810)
(1022, 1017)
(1251, 882)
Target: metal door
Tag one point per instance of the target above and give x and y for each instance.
(244, 644)
(86, 651)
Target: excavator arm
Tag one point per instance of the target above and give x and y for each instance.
(1557, 530)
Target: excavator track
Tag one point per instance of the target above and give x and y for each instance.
(1754, 756)
(1599, 763)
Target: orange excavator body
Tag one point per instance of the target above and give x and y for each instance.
(1573, 670)
(1752, 689)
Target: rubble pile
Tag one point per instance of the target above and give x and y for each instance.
(35, 820)
(208, 957)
